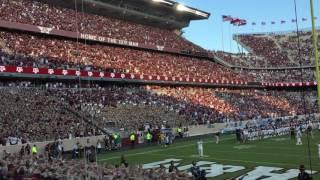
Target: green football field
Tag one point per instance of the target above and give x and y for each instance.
(277, 152)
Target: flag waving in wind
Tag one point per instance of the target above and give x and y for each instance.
(238, 22)
(226, 18)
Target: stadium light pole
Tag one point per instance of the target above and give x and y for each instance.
(315, 47)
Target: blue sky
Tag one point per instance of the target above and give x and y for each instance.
(214, 35)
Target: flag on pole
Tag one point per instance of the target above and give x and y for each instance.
(293, 20)
(263, 23)
(226, 18)
(283, 22)
(235, 21)
(304, 19)
(243, 22)
(272, 22)
(253, 24)
(239, 22)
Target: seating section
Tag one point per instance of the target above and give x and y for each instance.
(30, 113)
(289, 43)
(278, 76)
(270, 51)
(266, 47)
(233, 59)
(30, 50)
(34, 115)
(41, 14)
(15, 166)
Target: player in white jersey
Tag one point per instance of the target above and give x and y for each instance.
(298, 137)
(200, 148)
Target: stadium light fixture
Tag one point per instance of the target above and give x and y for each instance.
(163, 1)
(202, 14)
(181, 7)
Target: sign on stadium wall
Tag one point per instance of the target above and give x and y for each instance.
(214, 169)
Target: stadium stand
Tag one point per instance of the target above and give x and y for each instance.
(35, 109)
(176, 105)
(281, 75)
(265, 47)
(30, 50)
(41, 14)
(21, 166)
(289, 43)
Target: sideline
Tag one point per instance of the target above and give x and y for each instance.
(164, 149)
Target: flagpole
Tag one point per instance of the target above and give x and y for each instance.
(315, 47)
(230, 48)
(252, 28)
(222, 36)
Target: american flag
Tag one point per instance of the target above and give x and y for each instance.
(226, 18)
(304, 19)
(282, 22)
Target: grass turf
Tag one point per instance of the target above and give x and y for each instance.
(275, 152)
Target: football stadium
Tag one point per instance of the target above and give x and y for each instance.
(159, 90)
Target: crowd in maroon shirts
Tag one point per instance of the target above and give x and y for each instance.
(29, 50)
(265, 47)
(34, 115)
(37, 167)
(30, 114)
(41, 14)
(281, 75)
(232, 59)
(302, 53)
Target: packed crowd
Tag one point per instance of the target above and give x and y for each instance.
(30, 114)
(233, 59)
(289, 43)
(127, 107)
(23, 166)
(41, 14)
(281, 75)
(29, 50)
(27, 113)
(266, 47)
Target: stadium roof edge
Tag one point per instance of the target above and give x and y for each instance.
(167, 14)
(206, 15)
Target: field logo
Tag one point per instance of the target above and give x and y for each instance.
(213, 170)
(270, 173)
